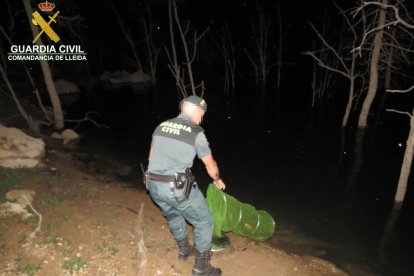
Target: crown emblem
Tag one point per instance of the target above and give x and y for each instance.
(46, 6)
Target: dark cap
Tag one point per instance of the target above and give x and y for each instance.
(198, 101)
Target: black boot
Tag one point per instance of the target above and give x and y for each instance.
(202, 265)
(184, 249)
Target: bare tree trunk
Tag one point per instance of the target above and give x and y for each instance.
(279, 63)
(279, 53)
(186, 52)
(373, 82)
(261, 37)
(357, 161)
(189, 57)
(255, 67)
(189, 60)
(402, 185)
(343, 70)
(387, 83)
(313, 99)
(153, 51)
(409, 151)
(16, 100)
(33, 125)
(260, 55)
(175, 66)
(136, 62)
(232, 68)
(50, 85)
(406, 165)
(3, 72)
(226, 49)
(351, 91)
(388, 230)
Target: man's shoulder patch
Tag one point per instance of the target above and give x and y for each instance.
(179, 129)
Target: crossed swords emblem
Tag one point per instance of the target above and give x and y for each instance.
(45, 26)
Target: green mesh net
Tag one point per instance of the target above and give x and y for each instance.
(230, 215)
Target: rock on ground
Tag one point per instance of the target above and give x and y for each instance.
(18, 150)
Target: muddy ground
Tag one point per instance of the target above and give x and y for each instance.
(90, 226)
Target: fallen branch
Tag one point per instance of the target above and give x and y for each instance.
(141, 245)
(39, 224)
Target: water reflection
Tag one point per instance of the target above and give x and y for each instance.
(325, 204)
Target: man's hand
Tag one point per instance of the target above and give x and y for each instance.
(213, 171)
(220, 184)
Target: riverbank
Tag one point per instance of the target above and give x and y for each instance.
(90, 226)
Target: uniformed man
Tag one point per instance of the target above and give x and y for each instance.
(175, 143)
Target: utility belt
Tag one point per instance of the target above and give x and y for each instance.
(177, 181)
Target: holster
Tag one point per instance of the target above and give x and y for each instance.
(184, 181)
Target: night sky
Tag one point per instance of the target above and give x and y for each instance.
(94, 26)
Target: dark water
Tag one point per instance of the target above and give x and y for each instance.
(329, 199)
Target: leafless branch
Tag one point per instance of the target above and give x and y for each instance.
(87, 118)
(343, 13)
(128, 36)
(152, 50)
(30, 79)
(187, 28)
(196, 40)
(189, 57)
(400, 112)
(388, 6)
(401, 91)
(186, 51)
(339, 58)
(15, 98)
(322, 64)
(398, 20)
(366, 34)
(254, 64)
(179, 81)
